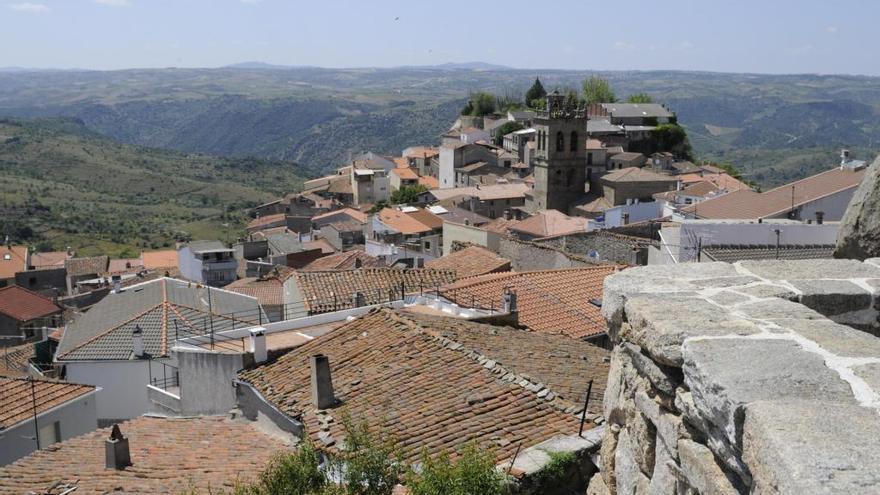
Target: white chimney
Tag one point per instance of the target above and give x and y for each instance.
(258, 344)
(137, 342)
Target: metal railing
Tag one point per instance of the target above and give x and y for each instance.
(170, 376)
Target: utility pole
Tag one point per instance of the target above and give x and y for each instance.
(34, 402)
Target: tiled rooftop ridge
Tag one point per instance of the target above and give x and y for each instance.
(760, 377)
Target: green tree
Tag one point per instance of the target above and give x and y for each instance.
(407, 194)
(480, 104)
(671, 138)
(506, 128)
(379, 206)
(298, 473)
(598, 90)
(536, 92)
(473, 472)
(640, 98)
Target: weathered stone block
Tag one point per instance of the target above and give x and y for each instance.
(870, 373)
(597, 486)
(643, 438)
(810, 447)
(725, 374)
(660, 378)
(833, 297)
(647, 406)
(763, 291)
(702, 472)
(667, 475)
(629, 478)
(662, 323)
(834, 337)
(728, 298)
(670, 429)
(607, 452)
(859, 233)
(774, 309)
(808, 269)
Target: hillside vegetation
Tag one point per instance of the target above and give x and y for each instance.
(64, 185)
(317, 117)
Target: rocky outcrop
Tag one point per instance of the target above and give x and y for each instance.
(859, 235)
(757, 377)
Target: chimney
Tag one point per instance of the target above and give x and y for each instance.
(358, 263)
(509, 301)
(258, 344)
(507, 214)
(820, 216)
(358, 299)
(116, 453)
(626, 218)
(844, 157)
(322, 384)
(137, 342)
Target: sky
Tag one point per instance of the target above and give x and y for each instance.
(766, 36)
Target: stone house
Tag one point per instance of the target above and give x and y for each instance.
(633, 184)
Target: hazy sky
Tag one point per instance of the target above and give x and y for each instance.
(775, 36)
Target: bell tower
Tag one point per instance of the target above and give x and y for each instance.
(560, 155)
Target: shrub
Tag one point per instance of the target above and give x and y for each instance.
(473, 472)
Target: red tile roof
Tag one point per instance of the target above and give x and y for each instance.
(24, 305)
(548, 301)
(439, 383)
(200, 455)
(402, 222)
(350, 212)
(550, 222)
(19, 395)
(265, 221)
(746, 203)
(405, 173)
(471, 261)
(333, 290)
(348, 260)
(13, 259)
(429, 182)
(429, 219)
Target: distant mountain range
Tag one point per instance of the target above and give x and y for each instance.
(446, 66)
(774, 127)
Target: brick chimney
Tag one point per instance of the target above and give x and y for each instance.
(820, 217)
(322, 383)
(116, 453)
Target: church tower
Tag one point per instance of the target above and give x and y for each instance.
(560, 157)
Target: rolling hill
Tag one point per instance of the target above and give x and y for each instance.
(318, 117)
(65, 185)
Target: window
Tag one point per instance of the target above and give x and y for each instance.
(573, 146)
(427, 245)
(560, 141)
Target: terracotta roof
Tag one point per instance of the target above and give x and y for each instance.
(702, 188)
(635, 174)
(731, 253)
(180, 455)
(13, 259)
(24, 305)
(722, 180)
(429, 182)
(405, 173)
(266, 220)
(322, 244)
(470, 261)
(350, 212)
(343, 261)
(746, 203)
(18, 398)
(95, 265)
(420, 151)
(268, 291)
(500, 225)
(49, 259)
(484, 193)
(14, 360)
(400, 161)
(593, 203)
(550, 222)
(439, 383)
(333, 290)
(159, 259)
(427, 218)
(164, 308)
(548, 301)
(402, 222)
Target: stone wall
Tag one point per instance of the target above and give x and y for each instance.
(609, 246)
(742, 379)
(526, 255)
